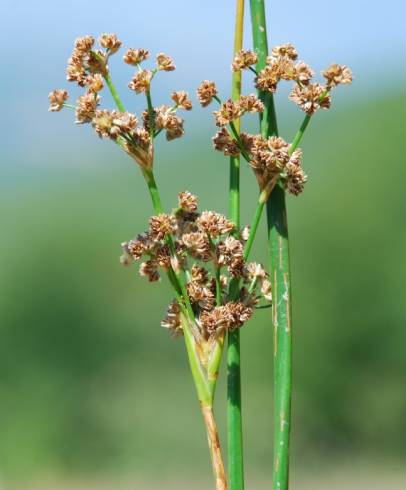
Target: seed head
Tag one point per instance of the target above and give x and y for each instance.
(149, 269)
(94, 83)
(86, 106)
(56, 99)
(251, 103)
(199, 275)
(161, 226)
(182, 100)
(285, 51)
(267, 79)
(214, 224)
(205, 92)
(84, 44)
(135, 56)
(110, 42)
(229, 111)
(244, 59)
(141, 81)
(310, 97)
(172, 319)
(222, 141)
(187, 201)
(103, 123)
(336, 74)
(197, 245)
(164, 62)
(303, 73)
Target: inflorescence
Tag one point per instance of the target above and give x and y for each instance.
(88, 67)
(272, 159)
(202, 254)
(211, 256)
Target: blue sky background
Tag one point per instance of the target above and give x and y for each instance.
(37, 38)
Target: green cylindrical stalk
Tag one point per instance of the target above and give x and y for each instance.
(114, 92)
(234, 419)
(278, 245)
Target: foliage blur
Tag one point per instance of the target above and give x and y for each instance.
(89, 382)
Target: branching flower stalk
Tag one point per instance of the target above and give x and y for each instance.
(203, 254)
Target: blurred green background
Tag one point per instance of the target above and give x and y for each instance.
(92, 390)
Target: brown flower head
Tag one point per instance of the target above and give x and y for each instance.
(197, 245)
(56, 99)
(187, 201)
(244, 59)
(230, 254)
(135, 56)
(75, 72)
(161, 226)
(295, 177)
(86, 106)
(150, 270)
(255, 271)
(229, 111)
(165, 118)
(251, 103)
(310, 97)
(336, 74)
(182, 100)
(214, 224)
(164, 62)
(266, 289)
(84, 44)
(284, 51)
(142, 138)
(96, 62)
(205, 92)
(172, 319)
(303, 73)
(141, 81)
(239, 313)
(110, 42)
(126, 258)
(142, 245)
(199, 275)
(267, 79)
(94, 83)
(103, 122)
(222, 141)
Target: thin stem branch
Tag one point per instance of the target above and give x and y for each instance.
(114, 93)
(299, 135)
(234, 419)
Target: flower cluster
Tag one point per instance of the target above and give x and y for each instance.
(88, 67)
(272, 159)
(194, 244)
(282, 65)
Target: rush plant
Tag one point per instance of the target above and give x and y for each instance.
(205, 255)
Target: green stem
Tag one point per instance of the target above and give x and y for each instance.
(253, 229)
(150, 114)
(299, 135)
(268, 120)
(234, 418)
(114, 93)
(278, 245)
